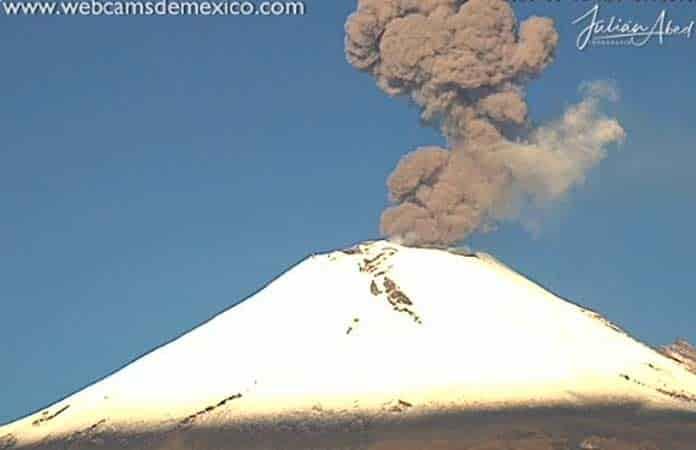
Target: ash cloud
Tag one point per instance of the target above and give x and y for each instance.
(466, 64)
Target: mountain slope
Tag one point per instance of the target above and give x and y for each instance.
(683, 352)
(368, 332)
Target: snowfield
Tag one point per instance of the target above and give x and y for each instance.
(370, 331)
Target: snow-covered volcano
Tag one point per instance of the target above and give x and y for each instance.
(374, 331)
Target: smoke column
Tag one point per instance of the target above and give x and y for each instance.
(466, 64)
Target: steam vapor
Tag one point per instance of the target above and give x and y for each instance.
(465, 64)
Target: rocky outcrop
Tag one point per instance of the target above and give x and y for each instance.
(683, 352)
(7, 442)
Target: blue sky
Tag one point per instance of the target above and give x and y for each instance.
(155, 171)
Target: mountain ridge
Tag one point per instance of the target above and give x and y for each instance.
(375, 332)
(683, 352)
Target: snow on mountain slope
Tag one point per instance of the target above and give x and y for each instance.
(683, 352)
(371, 330)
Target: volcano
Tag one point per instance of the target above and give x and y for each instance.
(367, 347)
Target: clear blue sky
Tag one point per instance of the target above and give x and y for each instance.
(155, 171)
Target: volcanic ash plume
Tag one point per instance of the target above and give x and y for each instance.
(466, 64)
